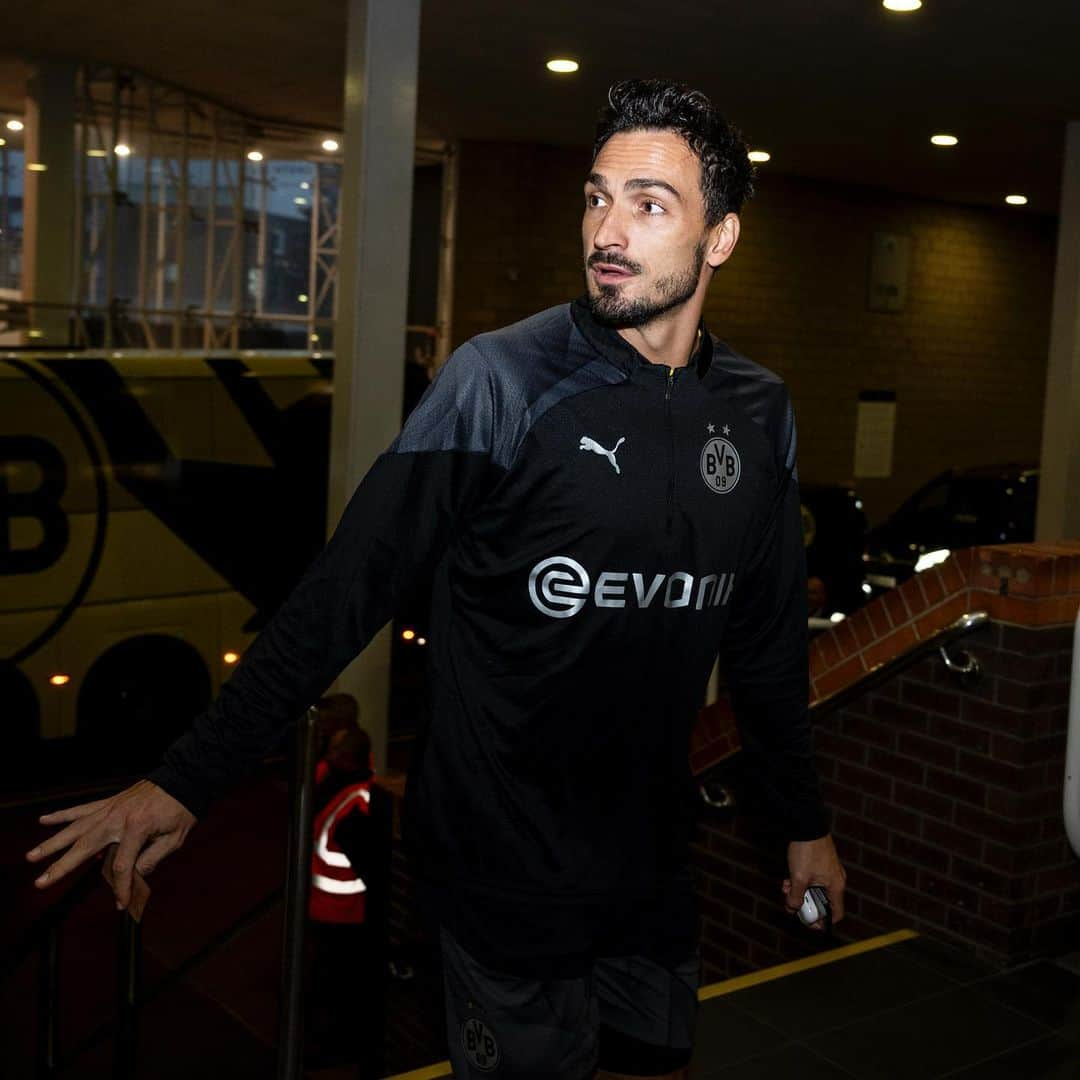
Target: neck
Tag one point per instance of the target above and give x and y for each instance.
(670, 339)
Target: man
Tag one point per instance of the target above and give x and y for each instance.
(603, 496)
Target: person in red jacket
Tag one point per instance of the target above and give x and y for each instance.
(349, 876)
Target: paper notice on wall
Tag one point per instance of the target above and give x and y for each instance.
(874, 432)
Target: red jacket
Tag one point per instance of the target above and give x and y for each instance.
(337, 890)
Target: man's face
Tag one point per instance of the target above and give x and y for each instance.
(643, 230)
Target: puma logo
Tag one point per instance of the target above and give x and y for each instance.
(591, 444)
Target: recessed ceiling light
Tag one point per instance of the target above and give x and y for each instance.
(300, 200)
(97, 153)
(331, 146)
(15, 125)
(3, 142)
(254, 155)
(562, 66)
(122, 150)
(901, 5)
(759, 156)
(37, 166)
(944, 140)
(1016, 200)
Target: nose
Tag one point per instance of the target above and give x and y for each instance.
(610, 230)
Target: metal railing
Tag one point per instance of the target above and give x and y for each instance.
(46, 936)
(713, 786)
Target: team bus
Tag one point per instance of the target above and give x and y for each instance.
(154, 511)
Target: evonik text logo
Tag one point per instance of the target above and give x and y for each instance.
(561, 587)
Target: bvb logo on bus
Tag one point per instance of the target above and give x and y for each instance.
(720, 466)
(46, 476)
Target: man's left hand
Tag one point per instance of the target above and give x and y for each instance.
(815, 862)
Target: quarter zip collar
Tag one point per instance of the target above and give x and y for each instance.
(616, 349)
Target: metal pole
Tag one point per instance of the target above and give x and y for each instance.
(48, 1002)
(239, 246)
(297, 885)
(128, 970)
(445, 286)
(1071, 797)
(182, 197)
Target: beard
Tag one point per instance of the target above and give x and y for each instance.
(610, 308)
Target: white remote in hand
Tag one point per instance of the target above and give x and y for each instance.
(815, 906)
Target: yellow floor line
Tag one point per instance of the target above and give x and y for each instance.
(730, 986)
(429, 1072)
(741, 982)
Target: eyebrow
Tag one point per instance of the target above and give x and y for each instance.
(634, 184)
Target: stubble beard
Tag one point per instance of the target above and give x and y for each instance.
(611, 308)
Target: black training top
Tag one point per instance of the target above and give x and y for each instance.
(595, 529)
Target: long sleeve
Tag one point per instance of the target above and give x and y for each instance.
(766, 660)
(395, 528)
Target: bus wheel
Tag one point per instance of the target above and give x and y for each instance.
(138, 696)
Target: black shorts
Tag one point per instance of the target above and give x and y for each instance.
(631, 1014)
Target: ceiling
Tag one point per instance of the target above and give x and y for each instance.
(836, 89)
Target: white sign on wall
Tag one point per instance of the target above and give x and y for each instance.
(875, 429)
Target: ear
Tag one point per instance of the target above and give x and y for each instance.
(722, 240)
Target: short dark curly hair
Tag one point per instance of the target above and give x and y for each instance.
(727, 176)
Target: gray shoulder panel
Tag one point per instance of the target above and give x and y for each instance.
(496, 386)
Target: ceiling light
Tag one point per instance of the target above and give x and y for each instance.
(331, 146)
(3, 142)
(15, 125)
(759, 156)
(122, 150)
(59, 680)
(255, 155)
(1016, 200)
(37, 166)
(231, 657)
(300, 200)
(901, 5)
(562, 66)
(408, 635)
(97, 153)
(944, 140)
(303, 298)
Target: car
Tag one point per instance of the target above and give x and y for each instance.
(958, 508)
(834, 533)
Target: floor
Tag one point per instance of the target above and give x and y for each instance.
(909, 1010)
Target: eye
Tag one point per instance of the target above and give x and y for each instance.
(652, 207)
(594, 199)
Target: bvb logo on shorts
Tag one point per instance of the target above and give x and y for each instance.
(479, 1045)
(720, 466)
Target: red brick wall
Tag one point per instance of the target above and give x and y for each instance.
(946, 799)
(976, 326)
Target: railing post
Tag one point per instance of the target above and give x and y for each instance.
(297, 884)
(128, 972)
(1071, 792)
(48, 1002)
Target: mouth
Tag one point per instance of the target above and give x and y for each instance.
(609, 273)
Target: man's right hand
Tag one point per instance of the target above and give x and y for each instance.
(146, 822)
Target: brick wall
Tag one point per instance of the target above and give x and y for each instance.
(976, 326)
(946, 799)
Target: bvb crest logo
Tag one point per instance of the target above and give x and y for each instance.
(720, 466)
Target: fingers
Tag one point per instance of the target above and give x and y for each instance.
(77, 854)
(124, 865)
(153, 853)
(71, 813)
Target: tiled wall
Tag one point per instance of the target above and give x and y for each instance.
(975, 329)
(946, 799)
